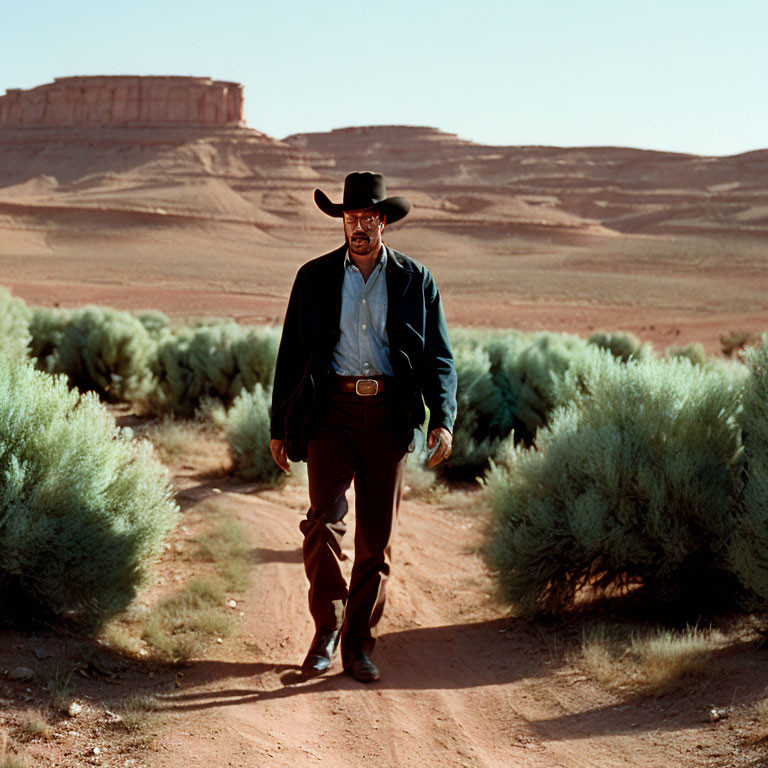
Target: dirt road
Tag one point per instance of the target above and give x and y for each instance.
(462, 683)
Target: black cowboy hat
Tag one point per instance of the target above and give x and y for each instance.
(364, 190)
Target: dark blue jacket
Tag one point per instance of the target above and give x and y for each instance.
(419, 349)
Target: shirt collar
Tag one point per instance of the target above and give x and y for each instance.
(382, 258)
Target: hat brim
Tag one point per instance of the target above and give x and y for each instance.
(394, 208)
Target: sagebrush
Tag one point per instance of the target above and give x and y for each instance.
(633, 486)
(14, 325)
(247, 427)
(748, 550)
(508, 385)
(100, 350)
(83, 508)
(622, 345)
(217, 360)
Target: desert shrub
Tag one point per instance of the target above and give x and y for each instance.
(142, 358)
(632, 485)
(622, 345)
(246, 425)
(83, 509)
(98, 349)
(155, 323)
(534, 372)
(46, 327)
(14, 325)
(695, 352)
(749, 548)
(217, 361)
(477, 402)
(734, 341)
(255, 354)
(507, 383)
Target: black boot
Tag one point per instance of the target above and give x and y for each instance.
(363, 669)
(324, 645)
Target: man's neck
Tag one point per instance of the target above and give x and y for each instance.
(367, 263)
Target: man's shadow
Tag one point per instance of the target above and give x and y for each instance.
(480, 655)
(447, 657)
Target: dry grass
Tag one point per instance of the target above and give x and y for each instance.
(235, 574)
(59, 677)
(138, 714)
(760, 709)
(121, 638)
(12, 761)
(173, 438)
(600, 661)
(223, 543)
(227, 546)
(654, 660)
(34, 726)
(9, 758)
(177, 439)
(179, 626)
(423, 485)
(418, 483)
(669, 658)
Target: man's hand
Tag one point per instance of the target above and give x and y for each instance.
(277, 449)
(443, 439)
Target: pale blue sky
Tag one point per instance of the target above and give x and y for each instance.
(684, 75)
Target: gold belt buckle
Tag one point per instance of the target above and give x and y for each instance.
(366, 387)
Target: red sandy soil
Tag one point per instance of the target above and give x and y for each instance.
(463, 683)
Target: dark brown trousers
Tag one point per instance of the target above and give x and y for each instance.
(357, 440)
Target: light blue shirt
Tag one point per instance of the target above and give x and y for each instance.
(363, 347)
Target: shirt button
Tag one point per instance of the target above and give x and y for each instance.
(364, 301)
(364, 326)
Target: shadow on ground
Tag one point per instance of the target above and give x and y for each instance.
(455, 656)
(514, 653)
(475, 655)
(64, 665)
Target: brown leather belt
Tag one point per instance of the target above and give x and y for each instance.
(364, 386)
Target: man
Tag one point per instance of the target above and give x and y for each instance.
(364, 346)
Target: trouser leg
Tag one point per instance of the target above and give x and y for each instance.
(378, 483)
(331, 464)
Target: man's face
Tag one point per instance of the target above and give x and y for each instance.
(363, 230)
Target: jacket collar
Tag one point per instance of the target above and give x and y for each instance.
(399, 274)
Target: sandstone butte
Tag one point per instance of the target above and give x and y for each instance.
(122, 101)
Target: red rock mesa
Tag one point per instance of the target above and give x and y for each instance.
(123, 101)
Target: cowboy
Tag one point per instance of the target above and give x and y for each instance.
(364, 347)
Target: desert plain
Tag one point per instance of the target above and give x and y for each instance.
(214, 222)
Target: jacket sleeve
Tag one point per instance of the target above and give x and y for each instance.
(289, 366)
(439, 372)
